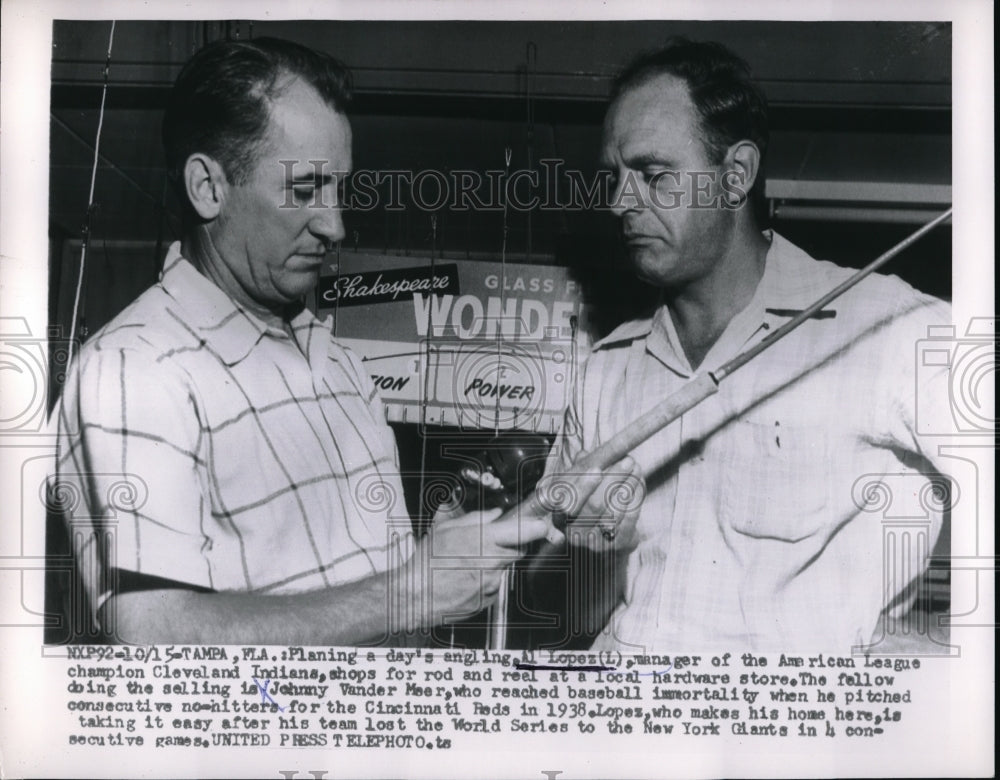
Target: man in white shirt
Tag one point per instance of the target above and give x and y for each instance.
(752, 532)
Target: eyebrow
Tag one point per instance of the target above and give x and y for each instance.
(639, 161)
(647, 159)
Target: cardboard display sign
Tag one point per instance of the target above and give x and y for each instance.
(463, 343)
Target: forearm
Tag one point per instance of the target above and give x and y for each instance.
(454, 571)
(352, 614)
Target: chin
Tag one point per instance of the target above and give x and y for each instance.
(296, 289)
(655, 275)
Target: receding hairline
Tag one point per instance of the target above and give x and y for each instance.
(646, 81)
(283, 83)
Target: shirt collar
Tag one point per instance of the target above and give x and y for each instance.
(230, 329)
(627, 331)
(790, 283)
(792, 279)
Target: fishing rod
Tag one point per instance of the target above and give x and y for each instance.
(695, 391)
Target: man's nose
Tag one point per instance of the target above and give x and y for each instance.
(625, 197)
(328, 223)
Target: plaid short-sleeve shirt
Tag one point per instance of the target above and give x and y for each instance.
(755, 531)
(211, 449)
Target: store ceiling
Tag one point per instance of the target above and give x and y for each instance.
(449, 95)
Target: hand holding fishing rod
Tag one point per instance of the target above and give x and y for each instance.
(690, 395)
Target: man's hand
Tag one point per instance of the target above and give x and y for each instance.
(455, 571)
(597, 510)
(456, 568)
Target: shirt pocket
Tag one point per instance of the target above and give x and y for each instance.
(777, 483)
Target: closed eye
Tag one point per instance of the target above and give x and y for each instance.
(304, 193)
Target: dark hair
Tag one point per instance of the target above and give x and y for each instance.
(730, 105)
(219, 104)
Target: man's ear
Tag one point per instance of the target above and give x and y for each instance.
(205, 184)
(742, 166)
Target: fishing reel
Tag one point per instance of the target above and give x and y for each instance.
(505, 471)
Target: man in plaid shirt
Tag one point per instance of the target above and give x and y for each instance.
(238, 481)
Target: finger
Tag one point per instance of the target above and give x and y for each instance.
(593, 488)
(535, 505)
(474, 518)
(626, 465)
(514, 531)
(491, 584)
(621, 494)
(565, 493)
(602, 505)
(556, 536)
(451, 508)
